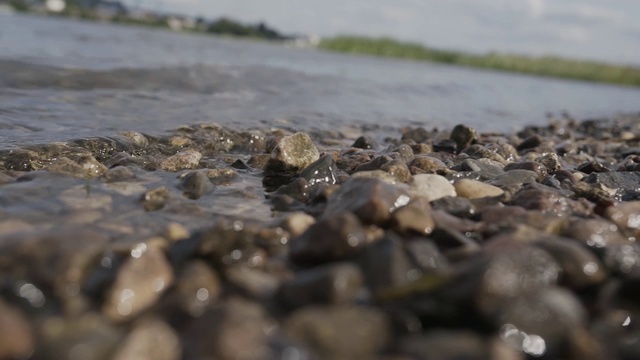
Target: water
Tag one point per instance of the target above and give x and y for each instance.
(62, 79)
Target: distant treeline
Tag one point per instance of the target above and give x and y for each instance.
(544, 66)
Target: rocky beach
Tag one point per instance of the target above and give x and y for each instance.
(215, 243)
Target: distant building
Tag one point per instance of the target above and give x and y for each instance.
(109, 9)
(55, 6)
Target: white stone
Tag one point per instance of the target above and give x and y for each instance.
(431, 187)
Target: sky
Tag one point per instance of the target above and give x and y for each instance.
(606, 30)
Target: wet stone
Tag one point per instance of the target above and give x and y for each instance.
(88, 337)
(473, 189)
(398, 169)
(413, 219)
(334, 238)
(431, 187)
(514, 177)
(197, 287)
(322, 171)
(150, 339)
(456, 206)
(119, 173)
(293, 153)
(484, 170)
(338, 283)
(529, 143)
(340, 332)
(155, 199)
(140, 281)
(626, 216)
(445, 345)
(580, 267)
(234, 330)
(463, 136)
(515, 272)
(17, 341)
(195, 185)
(391, 262)
(427, 165)
(374, 164)
(188, 159)
(625, 183)
(371, 200)
(592, 167)
(538, 168)
(364, 143)
(540, 324)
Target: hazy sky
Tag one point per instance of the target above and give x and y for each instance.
(598, 29)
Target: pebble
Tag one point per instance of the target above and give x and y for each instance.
(188, 159)
(140, 282)
(340, 332)
(371, 200)
(431, 187)
(473, 189)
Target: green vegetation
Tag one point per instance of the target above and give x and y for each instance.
(19, 5)
(542, 66)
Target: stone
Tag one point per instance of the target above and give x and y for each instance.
(338, 283)
(150, 339)
(293, 153)
(297, 223)
(431, 187)
(580, 267)
(413, 219)
(538, 168)
(625, 183)
(233, 330)
(398, 169)
(322, 171)
(514, 177)
(253, 282)
(473, 189)
(18, 340)
(371, 200)
(427, 165)
(195, 184)
(340, 332)
(333, 238)
(486, 171)
(375, 164)
(141, 280)
(197, 287)
(626, 216)
(188, 159)
(456, 206)
(391, 262)
(540, 323)
(155, 199)
(463, 136)
(364, 143)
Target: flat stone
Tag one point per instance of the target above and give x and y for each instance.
(431, 187)
(514, 177)
(473, 189)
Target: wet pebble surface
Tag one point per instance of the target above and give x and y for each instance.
(212, 243)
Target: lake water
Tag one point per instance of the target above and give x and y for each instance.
(62, 79)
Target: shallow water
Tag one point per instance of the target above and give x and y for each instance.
(64, 79)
